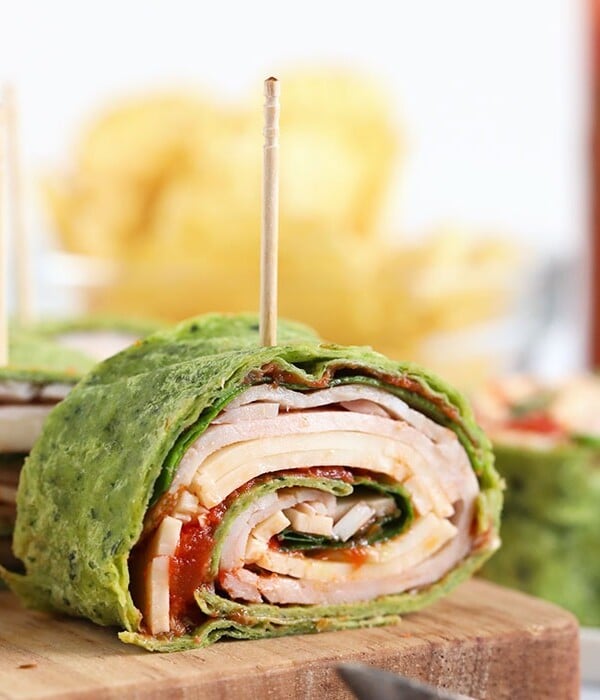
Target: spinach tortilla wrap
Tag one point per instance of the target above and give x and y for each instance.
(199, 486)
(547, 445)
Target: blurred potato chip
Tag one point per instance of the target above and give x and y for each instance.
(186, 169)
(168, 187)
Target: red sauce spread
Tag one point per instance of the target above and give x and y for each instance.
(274, 543)
(339, 473)
(535, 422)
(190, 565)
(356, 555)
(278, 375)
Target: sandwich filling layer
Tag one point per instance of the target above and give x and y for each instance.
(322, 497)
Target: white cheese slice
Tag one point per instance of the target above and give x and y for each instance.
(166, 538)
(309, 521)
(318, 507)
(273, 525)
(418, 495)
(352, 521)
(156, 611)
(255, 548)
(381, 505)
(259, 537)
(186, 507)
(298, 566)
(232, 466)
(426, 537)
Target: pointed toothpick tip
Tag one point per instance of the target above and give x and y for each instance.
(272, 87)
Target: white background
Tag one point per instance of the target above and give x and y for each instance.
(491, 92)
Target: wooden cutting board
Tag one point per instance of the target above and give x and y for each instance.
(482, 640)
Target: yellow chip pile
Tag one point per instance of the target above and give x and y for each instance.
(168, 187)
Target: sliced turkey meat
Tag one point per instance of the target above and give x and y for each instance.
(397, 516)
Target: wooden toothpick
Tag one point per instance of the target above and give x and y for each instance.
(3, 263)
(19, 231)
(270, 216)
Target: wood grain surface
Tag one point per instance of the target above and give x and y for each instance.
(482, 640)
